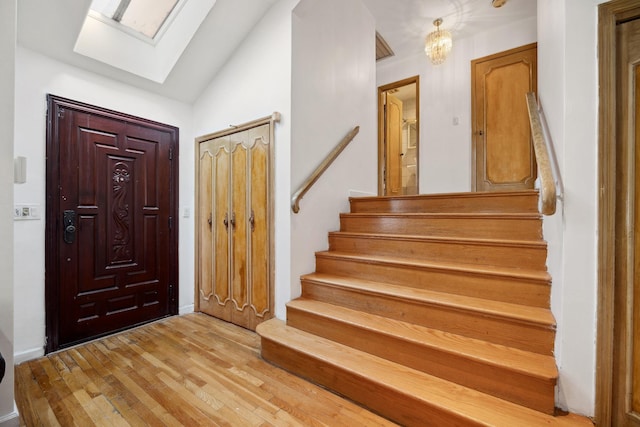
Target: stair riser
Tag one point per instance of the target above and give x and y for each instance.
(516, 387)
(505, 331)
(466, 227)
(476, 202)
(399, 407)
(506, 289)
(533, 257)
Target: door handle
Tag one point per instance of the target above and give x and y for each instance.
(69, 224)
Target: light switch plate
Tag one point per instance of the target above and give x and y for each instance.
(23, 212)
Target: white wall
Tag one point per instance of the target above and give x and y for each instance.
(567, 85)
(333, 90)
(37, 75)
(254, 83)
(8, 416)
(445, 94)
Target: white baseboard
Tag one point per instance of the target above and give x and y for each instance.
(12, 419)
(23, 356)
(186, 309)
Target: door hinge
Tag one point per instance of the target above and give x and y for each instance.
(170, 223)
(170, 154)
(61, 113)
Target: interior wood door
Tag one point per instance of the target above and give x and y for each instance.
(393, 151)
(111, 235)
(626, 378)
(502, 146)
(233, 246)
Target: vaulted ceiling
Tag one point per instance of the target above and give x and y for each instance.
(52, 27)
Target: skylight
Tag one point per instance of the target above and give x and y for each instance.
(141, 48)
(145, 17)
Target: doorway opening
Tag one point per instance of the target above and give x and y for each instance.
(399, 137)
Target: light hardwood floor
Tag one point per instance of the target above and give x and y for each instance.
(191, 370)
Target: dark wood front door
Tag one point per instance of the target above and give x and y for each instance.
(111, 229)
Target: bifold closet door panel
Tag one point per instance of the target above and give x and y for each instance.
(259, 241)
(239, 225)
(205, 230)
(221, 214)
(214, 242)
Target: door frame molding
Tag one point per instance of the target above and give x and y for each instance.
(52, 235)
(609, 219)
(381, 139)
(271, 121)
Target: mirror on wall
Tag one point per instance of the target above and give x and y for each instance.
(399, 138)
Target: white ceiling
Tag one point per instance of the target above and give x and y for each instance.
(51, 27)
(404, 24)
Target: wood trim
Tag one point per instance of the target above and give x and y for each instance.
(381, 90)
(52, 285)
(275, 117)
(504, 53)
(606, 214)
(609, 14)
(52, 272)
(271, 121)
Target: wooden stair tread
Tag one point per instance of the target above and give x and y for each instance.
(478, 269)
(534, 364)
(476, 407)
(462, 240)
(459, 195)
(541, 317)
(434, 215)
(497, 202)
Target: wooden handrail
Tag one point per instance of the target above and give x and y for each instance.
(297, 196)
(547, 183)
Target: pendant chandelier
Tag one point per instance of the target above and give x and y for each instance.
(438, 43)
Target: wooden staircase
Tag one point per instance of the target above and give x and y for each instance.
(430, 310)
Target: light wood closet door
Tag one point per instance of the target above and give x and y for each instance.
(233, 268)
(504, 157)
